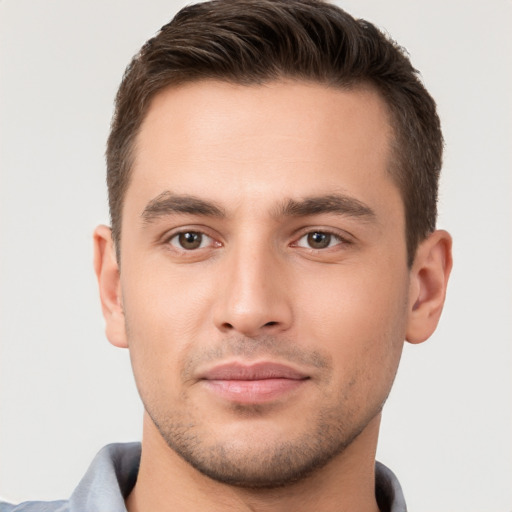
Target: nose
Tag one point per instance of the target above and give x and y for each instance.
(254, 298)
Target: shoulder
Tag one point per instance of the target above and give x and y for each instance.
(35, 506)
(388, 491)
(110, 477)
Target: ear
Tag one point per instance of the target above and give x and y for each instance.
(429, 278)
(107, 273)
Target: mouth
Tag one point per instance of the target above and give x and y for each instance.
(253, 383)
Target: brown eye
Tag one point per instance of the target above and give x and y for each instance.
(189, 240)
(319, 240)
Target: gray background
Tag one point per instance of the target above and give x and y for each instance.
(65, 391)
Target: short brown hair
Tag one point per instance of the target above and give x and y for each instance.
(256, 41)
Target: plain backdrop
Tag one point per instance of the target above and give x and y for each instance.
(65, 392)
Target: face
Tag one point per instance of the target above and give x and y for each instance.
(264, 282)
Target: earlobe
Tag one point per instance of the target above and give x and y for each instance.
(107, 273)
(429, 279)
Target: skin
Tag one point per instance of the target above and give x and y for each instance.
(253, 173)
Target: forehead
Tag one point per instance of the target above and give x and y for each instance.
(263, 142)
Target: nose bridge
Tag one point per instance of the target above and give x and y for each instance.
(253, 299)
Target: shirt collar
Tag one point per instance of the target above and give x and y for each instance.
(113, 473)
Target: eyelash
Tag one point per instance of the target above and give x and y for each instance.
(202, 234)
(340, 240)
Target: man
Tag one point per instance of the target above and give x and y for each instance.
(272, 174)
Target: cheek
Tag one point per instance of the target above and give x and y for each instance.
(169, 304)
(360, 318)
(343, 299)
(164, 316)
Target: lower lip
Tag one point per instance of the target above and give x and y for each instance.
(253, 391)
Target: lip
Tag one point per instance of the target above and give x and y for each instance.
(253, 383)
(255, 371)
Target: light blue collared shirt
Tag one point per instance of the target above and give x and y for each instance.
(113, 472)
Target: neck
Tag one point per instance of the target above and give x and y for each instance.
(166, 482)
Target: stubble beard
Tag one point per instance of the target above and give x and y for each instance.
(253, 463)
(271, 465)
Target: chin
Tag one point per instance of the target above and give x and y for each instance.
(260, 457)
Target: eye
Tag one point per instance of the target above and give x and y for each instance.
(190, 240)
(319, 240)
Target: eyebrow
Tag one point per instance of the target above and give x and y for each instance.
(339, 204)
(168, 203)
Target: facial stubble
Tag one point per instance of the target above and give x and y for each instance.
(278, 461)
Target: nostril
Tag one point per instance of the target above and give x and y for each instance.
(270, 324)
